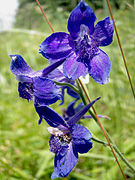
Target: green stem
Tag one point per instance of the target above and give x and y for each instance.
(100, 141)
(69, 85)
(117, 151)
(84, 100)
(123, 158)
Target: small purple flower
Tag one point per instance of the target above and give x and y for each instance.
(81, 46)
(33, 83)
(67, 138)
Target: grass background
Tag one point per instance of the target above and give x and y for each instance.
(24, 149)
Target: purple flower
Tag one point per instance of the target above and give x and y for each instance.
(81, 46)
(33, 83)
(67, 138)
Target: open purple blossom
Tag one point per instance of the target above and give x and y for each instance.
(67, 138)
(33, 83)
(81, 46)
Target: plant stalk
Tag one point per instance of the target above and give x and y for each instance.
(101, 126)
(117, 151)
(121, 49)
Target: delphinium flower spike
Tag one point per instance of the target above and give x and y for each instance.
(81, 46)
(67, 138)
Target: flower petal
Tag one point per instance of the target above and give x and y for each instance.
(82, 14)
(25, 90)
(52, 67)
(81, 137)
(45, 91)
(24, 78)
(99, 67)
(73, 93)
(78, 115)
(57, 46)
(64, 164)
(72, 68)
(52, 118)
(70, 111)
(57, 147)
(56, 75)
(103, 32)
(79, 107)
(19, 66)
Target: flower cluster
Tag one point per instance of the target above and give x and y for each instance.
(70, 56)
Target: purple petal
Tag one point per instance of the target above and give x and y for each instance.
(45, 91)
(73, 93)
(103, 32)
(100, 116)
(25, 90)
(57, 46)
(81, 137)
(82, 14)
(79, 107)
(19, 66)
(64, 164)
(52, 67)
(99, 67)
(70, 111)
(52, 118)
(78, 115)
(57, 147)
(24, 78)
(72, 68)
(56, 75)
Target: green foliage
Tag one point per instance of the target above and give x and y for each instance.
(24, 149)
(29, 15)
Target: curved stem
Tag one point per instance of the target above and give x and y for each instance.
(99, 141)
(123, 158)
(67, 84)
(117, 151)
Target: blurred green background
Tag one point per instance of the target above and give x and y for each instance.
(24, 149)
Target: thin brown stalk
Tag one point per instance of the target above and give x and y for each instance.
(102, 128)
(130, 6)
(121, 49)
(45, 15)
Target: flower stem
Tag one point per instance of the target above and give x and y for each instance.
(99, 141)
(117, 151)
(45, 15)
(121, 49)
(101, 126)
(67, 84)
